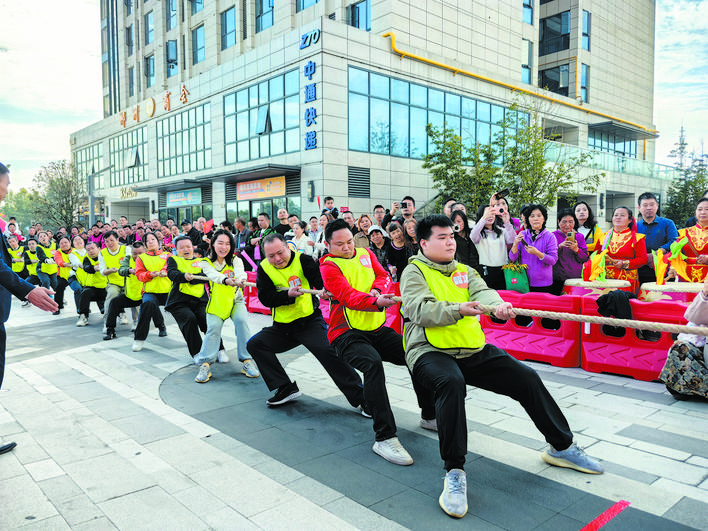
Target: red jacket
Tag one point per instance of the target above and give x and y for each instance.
(343, 295)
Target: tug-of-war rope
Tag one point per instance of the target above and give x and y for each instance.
(560, 316)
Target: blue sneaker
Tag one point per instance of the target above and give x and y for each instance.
(573, 457)
(453, 499)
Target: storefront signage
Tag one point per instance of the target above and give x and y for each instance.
(184, 197)
(128, 192)
(149, 106)
(310, 117)
(260, 189)
(312, 37)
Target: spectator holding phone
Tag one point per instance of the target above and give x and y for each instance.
(492, 235)
(572, 250)
(537, 248)
(400, 211)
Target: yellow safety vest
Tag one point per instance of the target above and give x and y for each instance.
(133, 287)
(64, 272)
(290, 277)
(81, 275)
(222, 296)
(111, 261)
(185, 266)
(157, 284)
(32, 268)
(48, 268)
(465, 333)
(53, 246)
(95, 280)
(359, 272)
(17, 267)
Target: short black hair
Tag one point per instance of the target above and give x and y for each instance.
(424, 228)
(110, 233)
(3, 169)
(138, 243)
(314, 217)
(227, 225)
(181, 238)
(329, 198)
(264, 214)
(334, 226)
(293, 216)
(568, 212)
(378, 206)
(272, 237)
(448, 200)
(530, 208)
(646, 195)
(409, 198)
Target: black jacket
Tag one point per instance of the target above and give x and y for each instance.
(176, 297)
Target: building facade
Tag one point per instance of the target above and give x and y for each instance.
(219, 108)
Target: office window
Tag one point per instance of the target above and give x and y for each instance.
(127, 154)
(554, 79)
(554, 33)
(128, 7)
(170, 14)
(612, 143)
(528, 11)
(360, 15)
(129, 39)
(171, 58)
(228, 28)
(304, 4)
(149, 28)
(584, 81)
(526, 60)
(586, 30)
(198, 45)
(264, 14)
(87, 161)
(131, 81)
(150, 71)
(184, 141)
(197, 6)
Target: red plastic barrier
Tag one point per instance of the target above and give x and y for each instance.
(559, 347)
(251, 295)
(394, 319)
(629, 355)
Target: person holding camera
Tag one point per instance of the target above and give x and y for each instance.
(400, 211)
(572, 250)
(466, 252)
(536, 248)
(491, 236)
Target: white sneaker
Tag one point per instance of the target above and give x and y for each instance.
(221, 357)
(138, 345)
(123, 319)
(429, 424)
(453, 499)
(83, 321)
(392, 451)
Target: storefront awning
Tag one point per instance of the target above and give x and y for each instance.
(626, 131)
(170, 186)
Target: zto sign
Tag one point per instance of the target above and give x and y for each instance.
(184, 197)
(260, 189)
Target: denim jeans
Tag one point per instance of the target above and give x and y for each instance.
(212, 338)
(46, 280)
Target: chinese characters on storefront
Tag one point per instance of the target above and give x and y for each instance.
(149, 106)
(310, 116)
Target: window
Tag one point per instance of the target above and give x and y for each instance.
(360, 15)
(228, 28)
(612, 143)
(129, 39)
(198, 45)
(555, 33)
(184, 141)
(171, 58)
(131, 81)
(264, 14)
(170, 14)
(554, 79)
(304, 4)
(87, 161)
(197, 6)
(128, 7)
(127, 154)
(528, 11)
(526, 61)
(149, 28)
(584, 81)
(586, 30)
(150, 71)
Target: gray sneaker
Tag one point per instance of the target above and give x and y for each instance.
(392, 451)
(204, 373)
(249, 369)
(572, 457)
(429, 424)
(453, 499)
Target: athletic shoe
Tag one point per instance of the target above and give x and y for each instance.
(138, 345)
(429, 424)
(25, 304)
(163, 332)
(364, 410)
(453, 499)
(249, 369)
(204, 373)
(284, 394)
(221, 357)
(83, 321)
(573, 457)
(132, 329)
(57, 312)
(392, 451)
(110, 334)
(123, 319)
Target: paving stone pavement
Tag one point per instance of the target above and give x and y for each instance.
(114, 439)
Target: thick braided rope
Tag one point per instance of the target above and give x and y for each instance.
(625, 323)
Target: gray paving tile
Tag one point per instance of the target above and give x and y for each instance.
(638, 394)
(634, 520)
(99, 524)
(147, 427)
(152, 370)
(65, 378)
(587, 508)
(60, 489)
(560, 523)
(664, 438)
(53, 523)
(78, 509)
(690, 512)
(22, 502)
(630, 473)
(112, 409)
(569, 380)
(91, 390)
(274, 441)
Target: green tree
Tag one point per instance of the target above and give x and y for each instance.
(689, 186)
(59, 194)
(20, 205)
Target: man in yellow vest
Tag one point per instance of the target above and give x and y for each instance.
(360, 289)
(95, 284)
(109, 265)
(297, 320)
(132, 295)
(446, 350)
(16, 251)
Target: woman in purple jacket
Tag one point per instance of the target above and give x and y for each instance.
(572, 250)
(537, 248)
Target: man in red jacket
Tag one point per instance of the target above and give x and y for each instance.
(360, 290)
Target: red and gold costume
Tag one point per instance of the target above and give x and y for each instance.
(626, 245)
(697, 245)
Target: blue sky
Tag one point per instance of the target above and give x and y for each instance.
(51, 78)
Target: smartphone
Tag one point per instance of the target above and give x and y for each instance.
(523, 242)
(456, 228)
(501, 195)
(404, 204)
(570, 236)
